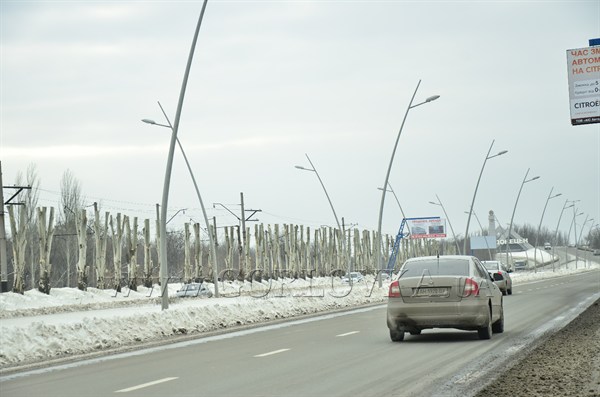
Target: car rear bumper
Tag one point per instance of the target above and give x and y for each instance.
(468, 314)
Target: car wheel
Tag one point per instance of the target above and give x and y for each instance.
(504, 292)
(415, 332)
(396, 336)
(498, 326)
(485, 332)
(509, 291)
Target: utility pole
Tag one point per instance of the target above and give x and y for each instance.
(242, 252)
(3, 253)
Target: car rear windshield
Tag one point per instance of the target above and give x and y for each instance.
(491, 265)
(452, 267)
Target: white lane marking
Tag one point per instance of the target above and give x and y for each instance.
(156, 382)
(271, 353)
(348, 333)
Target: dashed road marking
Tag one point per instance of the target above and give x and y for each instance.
(271, 353)
(156, 382)
(348, 333)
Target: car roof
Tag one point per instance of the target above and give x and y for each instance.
(441, 258)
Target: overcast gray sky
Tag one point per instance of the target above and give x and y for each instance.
(273, 80)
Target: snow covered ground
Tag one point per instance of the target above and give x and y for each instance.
(37, 327)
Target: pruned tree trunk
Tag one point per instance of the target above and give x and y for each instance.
(19, 247)
(147, 255)
(187, 260)
(117, 240)
(46, 235)
(132, 238)
(82, 281)
(197, 252)
(101, 238)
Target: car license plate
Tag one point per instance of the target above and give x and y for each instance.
(431, 291)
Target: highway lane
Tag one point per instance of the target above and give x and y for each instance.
(332, 355)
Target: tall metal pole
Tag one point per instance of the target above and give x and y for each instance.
(397, 202)
(525, 180)
(550, 196)
(211, 238)
(164, 274)
(487, 157)
(378, 264)
(449, 223)
(555, 242)
(337, 221)
(3, 254)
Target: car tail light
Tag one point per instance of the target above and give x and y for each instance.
(394, 291)
(471, 288)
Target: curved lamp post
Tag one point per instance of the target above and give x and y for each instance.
(397, 202)
(525, 180)
(451, 228)
(387, 175)
(487, 157)
(556, 232)
(550, 196)
(575, 215)
(342, 232)
(212, 239)
(577, 240)
(164, 274)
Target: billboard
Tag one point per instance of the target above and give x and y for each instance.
(433, 227)
(583, 66)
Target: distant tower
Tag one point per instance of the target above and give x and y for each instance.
(491, 224)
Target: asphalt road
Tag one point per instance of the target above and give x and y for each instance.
(347, 354)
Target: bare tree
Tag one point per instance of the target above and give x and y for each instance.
(70, 200)
(131, 235)
(46, 235)
(82, 280)
(18, 230)
(117, 244)
(101, 235)
(147, 255)
(29, 198)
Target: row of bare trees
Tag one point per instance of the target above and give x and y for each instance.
(291, 250)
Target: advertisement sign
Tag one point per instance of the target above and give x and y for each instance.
(433, 227)
(483, 242)
(583, 66)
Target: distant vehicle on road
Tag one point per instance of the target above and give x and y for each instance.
(449, 291)
(520, 265)
(500, 274)
(194, 290)
(596, 252)
(547, 247)
(356, 277)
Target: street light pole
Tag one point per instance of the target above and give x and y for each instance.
(448, 218)
(164, 274)
(525, 180)
(212, 239)
(342, 232)
(399, 206)
(387, 176)
(575, 214)
(550, 196)
(487, 157)
(556, 232)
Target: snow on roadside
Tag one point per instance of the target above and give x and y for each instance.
(36, 327)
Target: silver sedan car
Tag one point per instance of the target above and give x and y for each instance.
(194, 290)
(452, 291)
(500, 274)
